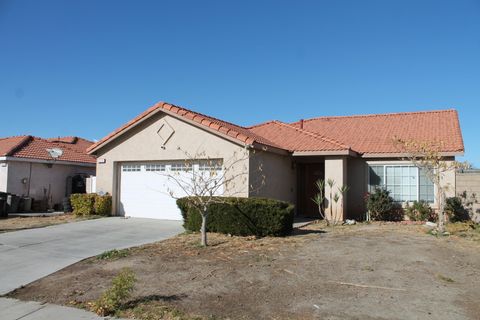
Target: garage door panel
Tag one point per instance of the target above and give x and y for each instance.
(144, 189)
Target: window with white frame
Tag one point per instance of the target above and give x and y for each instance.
(154, 167)
(180, 166)
(210, 165)
(405, 182)
(131, 168)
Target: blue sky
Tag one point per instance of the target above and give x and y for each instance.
(86, 67)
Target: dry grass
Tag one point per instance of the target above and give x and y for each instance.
(21, 223)
(229, 279)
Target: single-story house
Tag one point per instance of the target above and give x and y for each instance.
(45, 170)
(357, 151)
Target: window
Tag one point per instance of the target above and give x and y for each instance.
(210, 165)
(179, 167)
(155, 167)
(405, 182)
(131, 168)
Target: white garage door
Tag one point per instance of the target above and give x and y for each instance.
(144, 188)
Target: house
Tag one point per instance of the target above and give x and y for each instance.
(357, 151)
(45, 170)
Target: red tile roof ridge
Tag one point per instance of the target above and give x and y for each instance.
(203, 115)
(315, 135)
(261, 124)
(380, 114)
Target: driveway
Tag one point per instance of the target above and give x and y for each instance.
(28, 255)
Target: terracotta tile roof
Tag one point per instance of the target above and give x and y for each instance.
(225, 128)
(361, 134)
(293, 138)
(36, 148)
(375, 133)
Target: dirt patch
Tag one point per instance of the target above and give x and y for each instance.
(358, 272)
(21, 223)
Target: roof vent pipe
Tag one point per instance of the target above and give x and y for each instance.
(301, 123)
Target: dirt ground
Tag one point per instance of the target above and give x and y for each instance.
(357, 272)
(20, 223)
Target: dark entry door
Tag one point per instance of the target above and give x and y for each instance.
(310, 173)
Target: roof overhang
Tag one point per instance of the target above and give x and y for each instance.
(325, 153)
(403, 155)
(33, 160)
(265, 148)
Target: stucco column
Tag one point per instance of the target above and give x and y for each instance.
(336, 170)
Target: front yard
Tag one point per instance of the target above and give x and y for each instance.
(376, 271)
(30, 222)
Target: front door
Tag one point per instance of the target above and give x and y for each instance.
(309, 174)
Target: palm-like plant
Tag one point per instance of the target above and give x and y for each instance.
(319, 199)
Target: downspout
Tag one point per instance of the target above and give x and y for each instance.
(29, 179)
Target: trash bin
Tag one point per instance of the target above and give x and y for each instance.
(3, 205)
(12, 203)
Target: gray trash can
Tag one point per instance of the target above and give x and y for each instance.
(3, 205)
(13, 202)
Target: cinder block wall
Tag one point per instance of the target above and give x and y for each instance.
(468, 181)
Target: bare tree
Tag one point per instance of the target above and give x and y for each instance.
(203, 180)
(427, 156)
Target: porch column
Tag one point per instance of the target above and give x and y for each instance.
(336, 170)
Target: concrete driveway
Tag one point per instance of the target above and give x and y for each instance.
(28, 255)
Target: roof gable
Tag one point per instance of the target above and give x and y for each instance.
(226, 129)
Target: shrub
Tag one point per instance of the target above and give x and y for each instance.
(455, 209)
(241, 216)
(382, 207)
(83, 203)
(420, 211)
(113, 254)
(103, 205)
(120, 290)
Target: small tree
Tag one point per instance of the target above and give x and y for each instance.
(427, 156)
(205, 179)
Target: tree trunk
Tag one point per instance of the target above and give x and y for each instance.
(203, 229)
(441, 211)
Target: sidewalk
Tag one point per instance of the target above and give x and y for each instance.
(12, 309)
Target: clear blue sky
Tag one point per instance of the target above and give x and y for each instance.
(86, 67)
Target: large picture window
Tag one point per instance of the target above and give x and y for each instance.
(405, 182)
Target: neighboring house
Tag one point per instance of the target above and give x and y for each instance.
(357, 151)
(46, 170)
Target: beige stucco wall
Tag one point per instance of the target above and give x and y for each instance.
(142, 143)
(336, 170)
(278, 174)
(42, 177)
(357, 183)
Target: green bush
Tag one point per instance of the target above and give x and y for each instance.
(456, 210)
(241, 216)
(83, 203)
(120, 290)
(420, 211)
(382, 207)
(103, 205)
